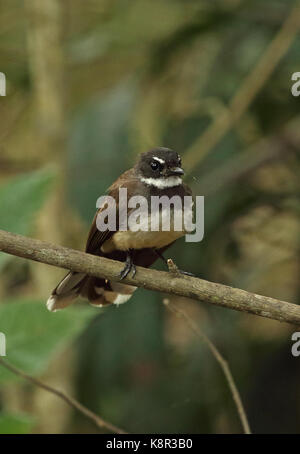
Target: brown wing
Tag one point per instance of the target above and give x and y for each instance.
(96, 237)
(92, 286)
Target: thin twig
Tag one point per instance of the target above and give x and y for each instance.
(160, 281)
(219, 358)
(250, 87)
(173, 268)
(101, 423)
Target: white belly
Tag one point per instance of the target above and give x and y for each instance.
(145, 237)
(140, 240)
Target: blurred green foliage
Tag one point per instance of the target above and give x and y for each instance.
(101, 125)
(20, 201)
(34, 336)
(15, 424)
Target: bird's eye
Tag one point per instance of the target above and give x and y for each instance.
(154, 165)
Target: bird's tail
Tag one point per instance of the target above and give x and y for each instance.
(98, 291)
(66, 291)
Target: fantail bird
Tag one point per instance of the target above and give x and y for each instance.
(158, 172)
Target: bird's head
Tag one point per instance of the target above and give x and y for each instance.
(160, 167)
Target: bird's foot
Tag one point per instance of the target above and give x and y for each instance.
(129, 266)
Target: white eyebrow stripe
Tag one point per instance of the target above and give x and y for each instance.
(159, 160)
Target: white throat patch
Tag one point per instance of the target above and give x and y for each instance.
(162, 183)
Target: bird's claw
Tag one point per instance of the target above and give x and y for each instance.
(129, 266)
(186, 273)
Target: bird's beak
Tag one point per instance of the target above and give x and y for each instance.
(175, 171)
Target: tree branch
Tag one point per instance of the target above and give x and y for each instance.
(172, 283)
(69, 400)
(250, 87)
(219, 358)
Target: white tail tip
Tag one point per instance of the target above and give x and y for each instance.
(51, 303)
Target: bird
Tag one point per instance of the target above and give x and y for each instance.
(157, 172)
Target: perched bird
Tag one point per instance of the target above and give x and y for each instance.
(158, 172)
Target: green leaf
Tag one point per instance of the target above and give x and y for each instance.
(15, 424)
(20, 200)
(34, 335)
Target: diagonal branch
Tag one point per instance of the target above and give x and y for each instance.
(161, 281)
(219, 358)
(101, 423)
(250, 87)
